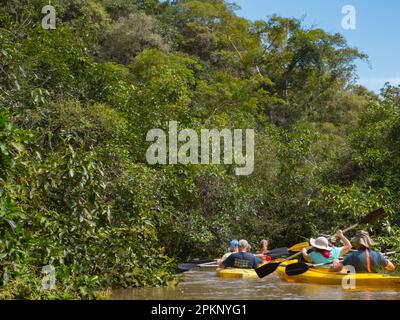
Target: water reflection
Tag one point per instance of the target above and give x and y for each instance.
(207, 286)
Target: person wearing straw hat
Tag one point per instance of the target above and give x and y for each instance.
(324, 252)
(364, 260)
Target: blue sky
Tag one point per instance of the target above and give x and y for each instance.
(377, 30)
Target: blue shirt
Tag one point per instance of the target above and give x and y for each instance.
(241, 260)
(318, 258)
(359, 261)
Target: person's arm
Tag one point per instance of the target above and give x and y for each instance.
(228, 262)
(306, 256)
(389, 266)
(346, 243)
(220, 261)
(337, 266)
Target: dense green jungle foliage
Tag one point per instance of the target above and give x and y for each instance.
(76, 103)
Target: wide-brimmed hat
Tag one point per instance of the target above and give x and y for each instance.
(321, 243)
(363, 238)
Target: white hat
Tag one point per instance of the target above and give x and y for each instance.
(321, 243)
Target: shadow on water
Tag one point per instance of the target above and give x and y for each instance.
(207, 286)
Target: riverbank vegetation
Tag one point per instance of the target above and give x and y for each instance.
(77, 102)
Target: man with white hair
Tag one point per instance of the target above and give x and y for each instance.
(243, 259)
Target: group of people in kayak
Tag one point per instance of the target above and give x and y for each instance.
(239, 256)
(363, 259)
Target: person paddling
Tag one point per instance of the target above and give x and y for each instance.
(263, 247)
(243, 259)
(262, 252)
(324, 252)
(364, 260)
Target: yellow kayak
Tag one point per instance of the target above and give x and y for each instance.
(233, 273)
(349, 281)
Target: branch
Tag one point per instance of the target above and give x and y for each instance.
(240, 55)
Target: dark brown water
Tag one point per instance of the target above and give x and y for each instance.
(207, 286)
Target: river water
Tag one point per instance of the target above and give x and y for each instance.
(198, 285)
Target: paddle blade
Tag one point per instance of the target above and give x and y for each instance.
(202, 261)
(278, 253)
(266, 269)
(374, 216)
(391, 253)
(296, 269)
(184, 267)
(300, 246)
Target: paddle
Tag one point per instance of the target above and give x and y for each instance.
(269, 268)
(370, 218)
(298, 247)
(391, 253)
(183, 267)
(296, 269)
(207, 266)
(275, 253)
(282, 252)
